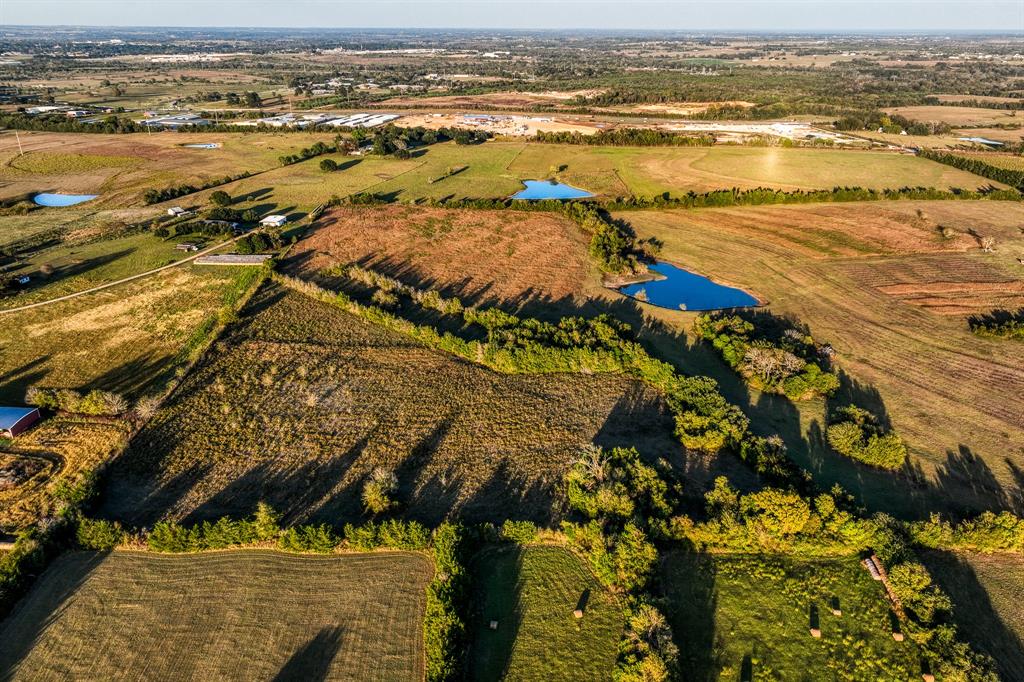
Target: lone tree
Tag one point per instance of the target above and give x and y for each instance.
(220, 198)
(328, 166)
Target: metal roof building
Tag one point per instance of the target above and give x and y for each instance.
(14, 420)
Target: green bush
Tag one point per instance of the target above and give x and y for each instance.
(857, 434)
(319, 538)
(98, 534)
(443, 628)
(518, 532)
(390, 534)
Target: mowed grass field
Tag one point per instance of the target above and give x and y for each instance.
(299, 402)
(880, 283)
(235, 615)
(500, 257)
(957, 116)
(988, 594)
(120, 339)
(737, 617)
(532, 592)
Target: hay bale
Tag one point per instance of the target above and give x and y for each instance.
(578, 613)
(928, 677)
(837, 612)
(816, 633)
(494, 625)
(898, 636)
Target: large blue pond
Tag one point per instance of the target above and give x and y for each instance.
(684, 290)
(549, 189)
(57, 200)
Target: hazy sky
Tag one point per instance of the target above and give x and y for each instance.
(741, 15)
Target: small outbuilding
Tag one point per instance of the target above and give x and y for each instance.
(274, 221)
(15, 420)
(176, 211)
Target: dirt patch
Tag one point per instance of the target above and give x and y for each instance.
(501, 255)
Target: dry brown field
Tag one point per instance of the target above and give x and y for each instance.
(300, 401)
(958, 116)
(479, 256)
(881, 284)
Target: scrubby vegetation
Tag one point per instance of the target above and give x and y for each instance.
(628, 137)
(856, 433)
(95, 402)
(988, 532)
(772, 355)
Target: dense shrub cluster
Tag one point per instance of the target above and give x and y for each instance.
(318, 149)
(772, 355)
(1001, 324)
(621, 496)
(518, 532)
(857, 434)
(258, 242)
(891, 123)
(1013, 178)
(95, 402)
(443, 628)
(155, 196)
(628, 137)
(988, 532)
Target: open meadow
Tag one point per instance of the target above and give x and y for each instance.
(235, 615)
(987, 593)
(958, 116)
(749, 618)
(532, 592)
(122, 339)
(890, 293)
(300, 402)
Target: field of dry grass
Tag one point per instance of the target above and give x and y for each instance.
(492, 256)
(987, 593)
(880, 283)
(235, 615)
(957, 116)
(120, 339)
(58, 449)
(299, 402)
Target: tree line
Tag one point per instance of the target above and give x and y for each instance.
(1013, 178)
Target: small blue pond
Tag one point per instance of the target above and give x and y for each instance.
(57, 200)
(549, 189)
(683, 290)
(202, 145)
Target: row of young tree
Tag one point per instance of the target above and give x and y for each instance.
(1003, 324)
(627, 137)
(1007, 176)
(156, 196)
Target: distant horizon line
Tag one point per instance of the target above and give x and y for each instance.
(788, 31)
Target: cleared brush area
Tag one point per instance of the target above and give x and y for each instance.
(890, 293)
(121, 339)
(499, 256)
(233, 615)
(57, 450)
(987, 593)
(300, 402)
(738, 617)
(532, 592)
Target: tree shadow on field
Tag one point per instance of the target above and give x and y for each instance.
(496, 577)
(312, 662)
(687, 583)
(14, 382)
(43, 606)
(974, 614)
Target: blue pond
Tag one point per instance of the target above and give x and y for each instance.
(549, 189)
(202, 145)
(57, 200)
(683, 290)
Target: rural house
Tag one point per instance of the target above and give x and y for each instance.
(274, 221)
